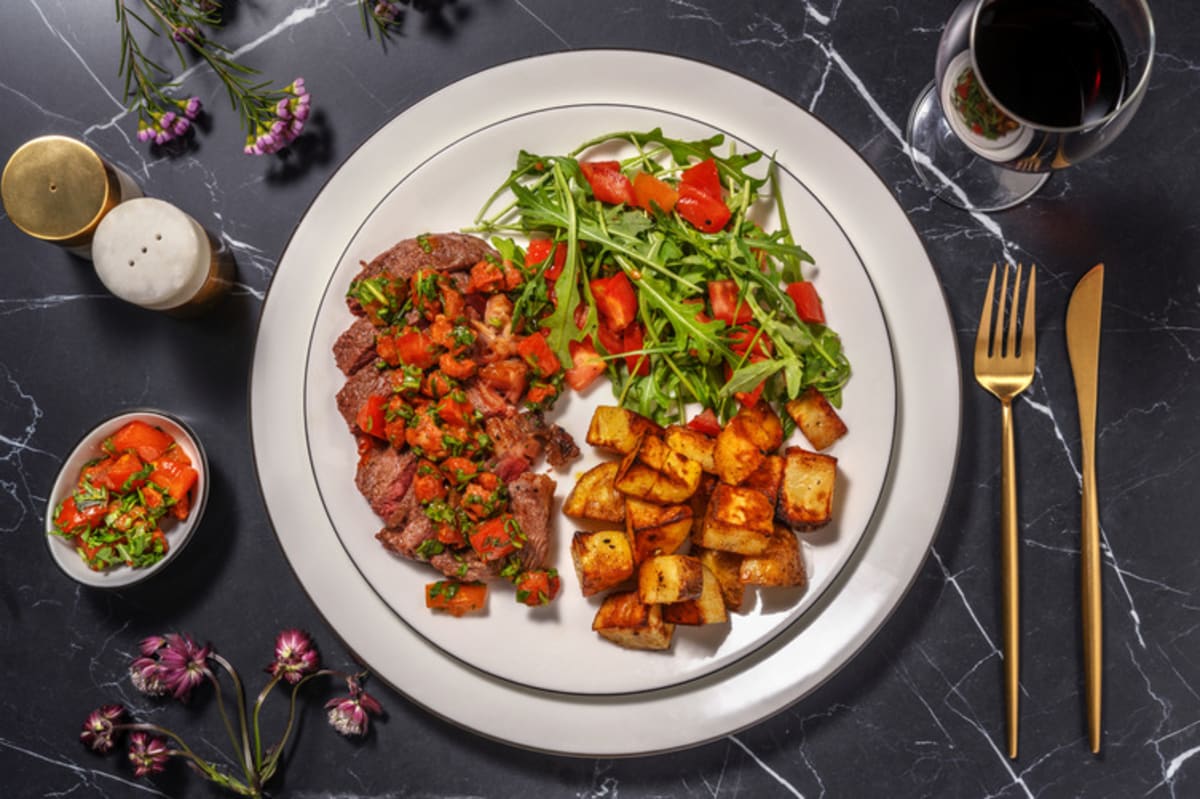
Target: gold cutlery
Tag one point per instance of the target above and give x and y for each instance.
(1083, 347)
(1006, 370)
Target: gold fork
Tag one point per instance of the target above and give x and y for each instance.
(1006, 370)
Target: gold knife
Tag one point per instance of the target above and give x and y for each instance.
(1083, 347)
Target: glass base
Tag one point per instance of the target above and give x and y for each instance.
(953, 172)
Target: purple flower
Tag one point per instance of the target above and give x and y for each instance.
(295, 656)
(386, 11)
(185, 33)
(350, 715)
(146, 676)
(147, 753)
(191, 107)
(183, 665)
(152, 644)
(100, 732)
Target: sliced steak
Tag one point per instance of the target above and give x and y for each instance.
(532, 496)
(445, 252)
(561, 449)
(466, 566)
(384, 477)
(405, 538)
(354, 393)
(515, 434)
(355, 348)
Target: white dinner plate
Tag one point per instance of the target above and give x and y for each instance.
(898, 459)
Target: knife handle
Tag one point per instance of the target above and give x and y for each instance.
(1093, 614)
(1010, 577)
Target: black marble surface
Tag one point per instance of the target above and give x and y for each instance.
(917, 713)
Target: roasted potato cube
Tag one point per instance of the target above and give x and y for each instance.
(738, 519)
(735, 454)
(816, 418)
(641, 481)
(781, 565)
(656, 529)
(618, 429)
(669, 578)
(761, 424)
(708, 608)
(767, 477)
(678, 467)
(699, 500)
(602, 560)
(626, 620)
(693, 445)
(595, 495)
(726, 567)
(806, 496)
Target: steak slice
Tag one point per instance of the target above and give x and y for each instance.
(561, 449)
(532, 495)
(384, 477)
(361, 385)
(465, 565)
(355, 347)
(445, 252)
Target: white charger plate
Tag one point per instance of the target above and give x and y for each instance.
(777, 663)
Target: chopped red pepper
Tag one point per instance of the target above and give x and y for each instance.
(808, 302)
(538, 587)
(616, 300)
(705, 422)
(496, 538)
(587, 365)
(649, 191)
(148, 442)
(705, 212)
(121, 471)
(725, 303)
(456, 598)
(704, 177)
(415, 348)
(371, 419)
(537, 353)
(487, 277)
(608, 183)
(539, 250)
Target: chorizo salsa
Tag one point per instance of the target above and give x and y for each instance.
(141, 482)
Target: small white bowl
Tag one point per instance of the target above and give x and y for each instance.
(88, 448)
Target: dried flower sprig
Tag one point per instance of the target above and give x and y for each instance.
(176, 664)
(273, 117)
(381, 16)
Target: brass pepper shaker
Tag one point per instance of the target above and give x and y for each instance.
(57, 189)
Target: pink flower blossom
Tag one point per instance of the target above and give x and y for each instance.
(152, 644)
(350, 715)
(147, 753)
(183, 665)
(191, 107)
(146, 676)
(295, 656)
(185, 33)
(100, 732)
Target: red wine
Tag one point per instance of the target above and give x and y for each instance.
(1056, 63)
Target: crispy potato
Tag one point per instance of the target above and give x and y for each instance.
(602, 560)
(761, 425)
(708, 608)
(735, 454)
(780, 565)
(670, 578)
(816, 418)
(678, 467)
(806, 496)
(627, 621)
(693, 445)
(619, 430)
(738, 519)
(767, 478)
(643, 482)
(726, 567)
(595, 497)
(656, 529)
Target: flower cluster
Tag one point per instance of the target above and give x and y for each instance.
(177, 665)
(279, 123)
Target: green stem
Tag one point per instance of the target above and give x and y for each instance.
(248, 765)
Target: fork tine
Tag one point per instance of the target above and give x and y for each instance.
(1010, 349)
(984, 336)
(1028, 339)
(1001, 318)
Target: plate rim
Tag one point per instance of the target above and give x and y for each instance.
(948, 442)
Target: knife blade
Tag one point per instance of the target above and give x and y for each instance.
(1083, 349)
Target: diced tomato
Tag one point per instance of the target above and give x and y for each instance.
(539, 250)
(741, 338)
(152, 496)
(176, 479)
(541, 394)
(177, 455)
(428, 483)
(147, 441)
(808, 303)
(371, 418)
(385, 348)
(725, 303)
(458, 469)
(456, 412)
(456, 367)
(704, 177)
(649, 191)
(633, 338)
(70, 517)
(538, 587)
(587, 365)
(493, 539)
(536, 352)
(748, 399)
(613, 343)
(456, 598)
(705, 212)
(608, 183)
(616, 300)
(121, 470)
(705, 422)
(486, 278)
(512, 276)
(509, 376)
(415, 348)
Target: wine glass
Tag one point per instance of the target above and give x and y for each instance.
(1025, 87)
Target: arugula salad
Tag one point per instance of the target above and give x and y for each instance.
(656, 273)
